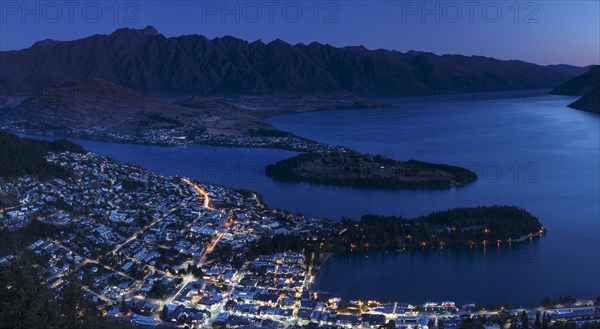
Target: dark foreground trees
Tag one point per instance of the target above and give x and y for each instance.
(25, 156)
(26, 302)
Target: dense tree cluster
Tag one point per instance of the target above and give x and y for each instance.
(25, 156)
(454, 227)
(26, 302)
(460, 226)
(159, 290)
(281, 243)
(351, 168)
(548, 302)
(15, 241)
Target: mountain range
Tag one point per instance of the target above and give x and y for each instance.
(140, 86)
(145, 60)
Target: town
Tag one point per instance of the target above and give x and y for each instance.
(173, 137)
(160, 251)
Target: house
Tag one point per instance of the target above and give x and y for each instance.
(143, 321)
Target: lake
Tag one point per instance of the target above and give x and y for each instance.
(531, 152)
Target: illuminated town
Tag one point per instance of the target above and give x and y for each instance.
(154, 250)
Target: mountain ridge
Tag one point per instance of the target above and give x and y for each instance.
(147, 61)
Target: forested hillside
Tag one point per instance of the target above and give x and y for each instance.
(25, 156)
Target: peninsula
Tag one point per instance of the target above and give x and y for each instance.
(477, 226)
(349, 168)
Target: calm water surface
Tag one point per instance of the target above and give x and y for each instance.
(534, 153)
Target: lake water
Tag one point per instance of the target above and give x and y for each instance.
(535, 153)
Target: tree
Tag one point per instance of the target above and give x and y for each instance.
(431, 324)
(495, 307)
(513, 324)
(77, 311)
(545, 321)
(124, 306)
(238, 262)
(343, 305)
(538, 320)
(390, 325)
(164, 313)
(524, 320)
(158, 290)
(25, 303)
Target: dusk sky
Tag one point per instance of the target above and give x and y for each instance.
(543, 32)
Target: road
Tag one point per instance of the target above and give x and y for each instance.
(210, 247)
(200, 191)
(138, 232)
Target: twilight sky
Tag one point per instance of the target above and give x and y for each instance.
(543, 32)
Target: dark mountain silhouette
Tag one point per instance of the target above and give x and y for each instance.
(590, 102)
(144, 60)
(569, 69)
(581, 84)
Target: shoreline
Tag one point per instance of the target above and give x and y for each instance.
(375, 102)
(291, 143)
(126, 140)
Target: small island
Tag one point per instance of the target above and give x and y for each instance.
(349, 168)
(477, 226)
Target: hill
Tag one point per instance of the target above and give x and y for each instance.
(222, 117)
(100, 107)
(581, 84)
(590, 102)
(145, 60)
(25, 156)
